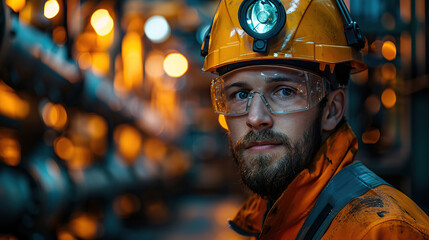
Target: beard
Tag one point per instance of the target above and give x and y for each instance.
(267, 174)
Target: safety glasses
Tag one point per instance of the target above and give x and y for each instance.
(282, 89)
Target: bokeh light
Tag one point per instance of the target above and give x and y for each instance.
(10, 150)
(59, 35)
(97, 126)
(84, 60)
(126, 205)
(129, 142)
(54, 115)
(84, 226)
(64, 148)
(154, 63)
(389, 50)
(388, 98)
(82, 158)
(132, 50)
(175, 65)
(52, 8)
(102, 22)
(154, 149)
(373, 104)
(16, 5)
(388, 71)
(100, 62)
(157, 29)
(371, 136)
(376, 47)
(12, 105)
(64, 235)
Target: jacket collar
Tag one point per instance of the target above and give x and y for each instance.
(288, 213)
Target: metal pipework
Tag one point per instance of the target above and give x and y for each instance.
(29, 59)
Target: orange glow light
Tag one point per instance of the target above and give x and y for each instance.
(129, 142)
(155, 149)
(389, 50)
(102, 22)
(154, 64)
(25, 15)
(97, 126)
(64, 148)
(388, 98)
(52, 8)
(222, 121)
(85, 226)
(132, 51)
(371, 136)
(157, 212)
(81, 159)
(388, 71)
(101, 62)
(405, 10)
(86, 42)
(11, 104)
(175, 65)
(54, 115)
(63, 235)
(16, 5)
(84, 60)
(126, 205)
(372, 104)
(10, 151)
(59, 35)
(376, 46)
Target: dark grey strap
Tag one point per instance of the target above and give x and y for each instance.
(351, 182)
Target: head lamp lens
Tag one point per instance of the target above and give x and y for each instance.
(262, 16)
(262, 19)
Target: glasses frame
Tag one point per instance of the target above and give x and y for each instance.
(325, 91)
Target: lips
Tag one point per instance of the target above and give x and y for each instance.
(262, 144)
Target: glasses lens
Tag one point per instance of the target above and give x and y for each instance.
(282, 89)
(262, 16)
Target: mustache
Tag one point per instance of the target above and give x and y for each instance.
(263, 135)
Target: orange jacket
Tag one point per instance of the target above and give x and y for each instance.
(380, 213)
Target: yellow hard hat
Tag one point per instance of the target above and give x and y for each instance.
(317, 31)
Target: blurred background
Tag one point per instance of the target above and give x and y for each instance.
(107, 130)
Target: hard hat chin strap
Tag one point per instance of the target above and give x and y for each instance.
(352, 30)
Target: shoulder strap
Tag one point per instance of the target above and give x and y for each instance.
(351, 182)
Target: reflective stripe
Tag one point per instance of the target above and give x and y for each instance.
(351, 182)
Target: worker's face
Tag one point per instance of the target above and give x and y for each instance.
(272, 149)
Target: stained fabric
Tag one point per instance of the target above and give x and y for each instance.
(370, 216)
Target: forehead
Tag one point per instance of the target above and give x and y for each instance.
(265, 74)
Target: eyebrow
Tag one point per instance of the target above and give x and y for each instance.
(280, 79)
(267, 80)
(236, 84)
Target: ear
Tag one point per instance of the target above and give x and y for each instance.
(334, 110)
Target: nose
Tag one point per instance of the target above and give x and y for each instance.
(259, 116)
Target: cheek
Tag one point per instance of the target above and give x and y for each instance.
(295, 124)
(237, 128)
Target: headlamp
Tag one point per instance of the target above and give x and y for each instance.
(262, 20)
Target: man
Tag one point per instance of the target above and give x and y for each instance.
(283, 66)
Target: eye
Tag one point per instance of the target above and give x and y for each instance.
(241, 95)
(285, 92)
